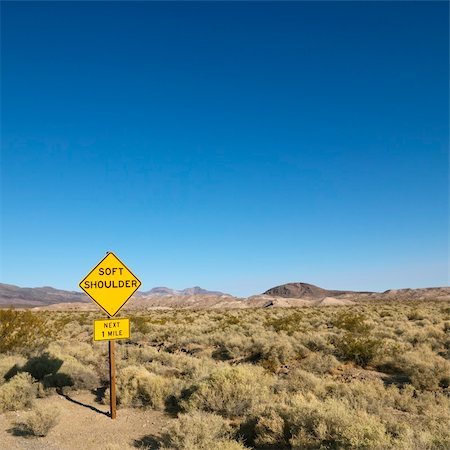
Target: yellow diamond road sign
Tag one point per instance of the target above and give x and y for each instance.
(110, 284)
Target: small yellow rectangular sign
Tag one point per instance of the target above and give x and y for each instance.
(109, 329)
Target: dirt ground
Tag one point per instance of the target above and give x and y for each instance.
(84, 424)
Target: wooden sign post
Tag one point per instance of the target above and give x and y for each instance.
(110, 284)
(112, 379)
(110, 330)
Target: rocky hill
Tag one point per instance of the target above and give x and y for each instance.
(309, 292)
(306, 290)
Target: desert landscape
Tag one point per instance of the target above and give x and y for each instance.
(224, 225)
(298, 367)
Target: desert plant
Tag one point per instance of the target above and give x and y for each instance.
(21, 330)
(270, 430)
(331, 424)
(231, 391)
(10, 366)
(319, 363)
(358, 348)
(38, 422)
(352, 322)
(196, 430)
(425, 369)
(356, 344)
(18, 393)
(298, 380)
(136, 386)
(290, 322)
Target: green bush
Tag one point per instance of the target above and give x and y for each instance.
(356, 344)
(358, 348)
(21, 330)
(290, 322)
(352, 322)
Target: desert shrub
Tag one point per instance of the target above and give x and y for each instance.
(71, 374)
(416, 314)
(299, 380)
(186, 366)
(356, 344)
(81, 351)
(137, 387)
(56, 368)
(72, 330)
(236, 346)
(315, 342)
(319, 363)
(435, 435)
(289, 322)
(9, 366)
(140, 355)
(79, 376)
(21, 330)
(41, 366)
(358, 348)
(270, 430)
(367, 395)
(199, 431)
(231, 391)
(38, 422)
(425, 369)
(331, 424)
(352, 322)
(273, 353)
(18, 393)
(140, 324)
(228, 445)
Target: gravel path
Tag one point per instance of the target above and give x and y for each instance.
(84, 424)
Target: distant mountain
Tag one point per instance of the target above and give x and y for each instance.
(196, 290)
(20, 297)
(305, 290)
(16, 296)
(286, 295)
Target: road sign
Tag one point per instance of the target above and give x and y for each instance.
(110, 284)
(105, 330)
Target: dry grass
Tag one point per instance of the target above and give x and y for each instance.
(38, 422)
(361, 376)
(199, 431)
(136, 387)
(18, 393)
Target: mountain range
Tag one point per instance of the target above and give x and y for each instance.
(196, 290)
(290, 294)
(19, 297)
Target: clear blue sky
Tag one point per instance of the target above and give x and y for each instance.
(235, 146)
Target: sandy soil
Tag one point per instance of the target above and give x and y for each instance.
(84, 424)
